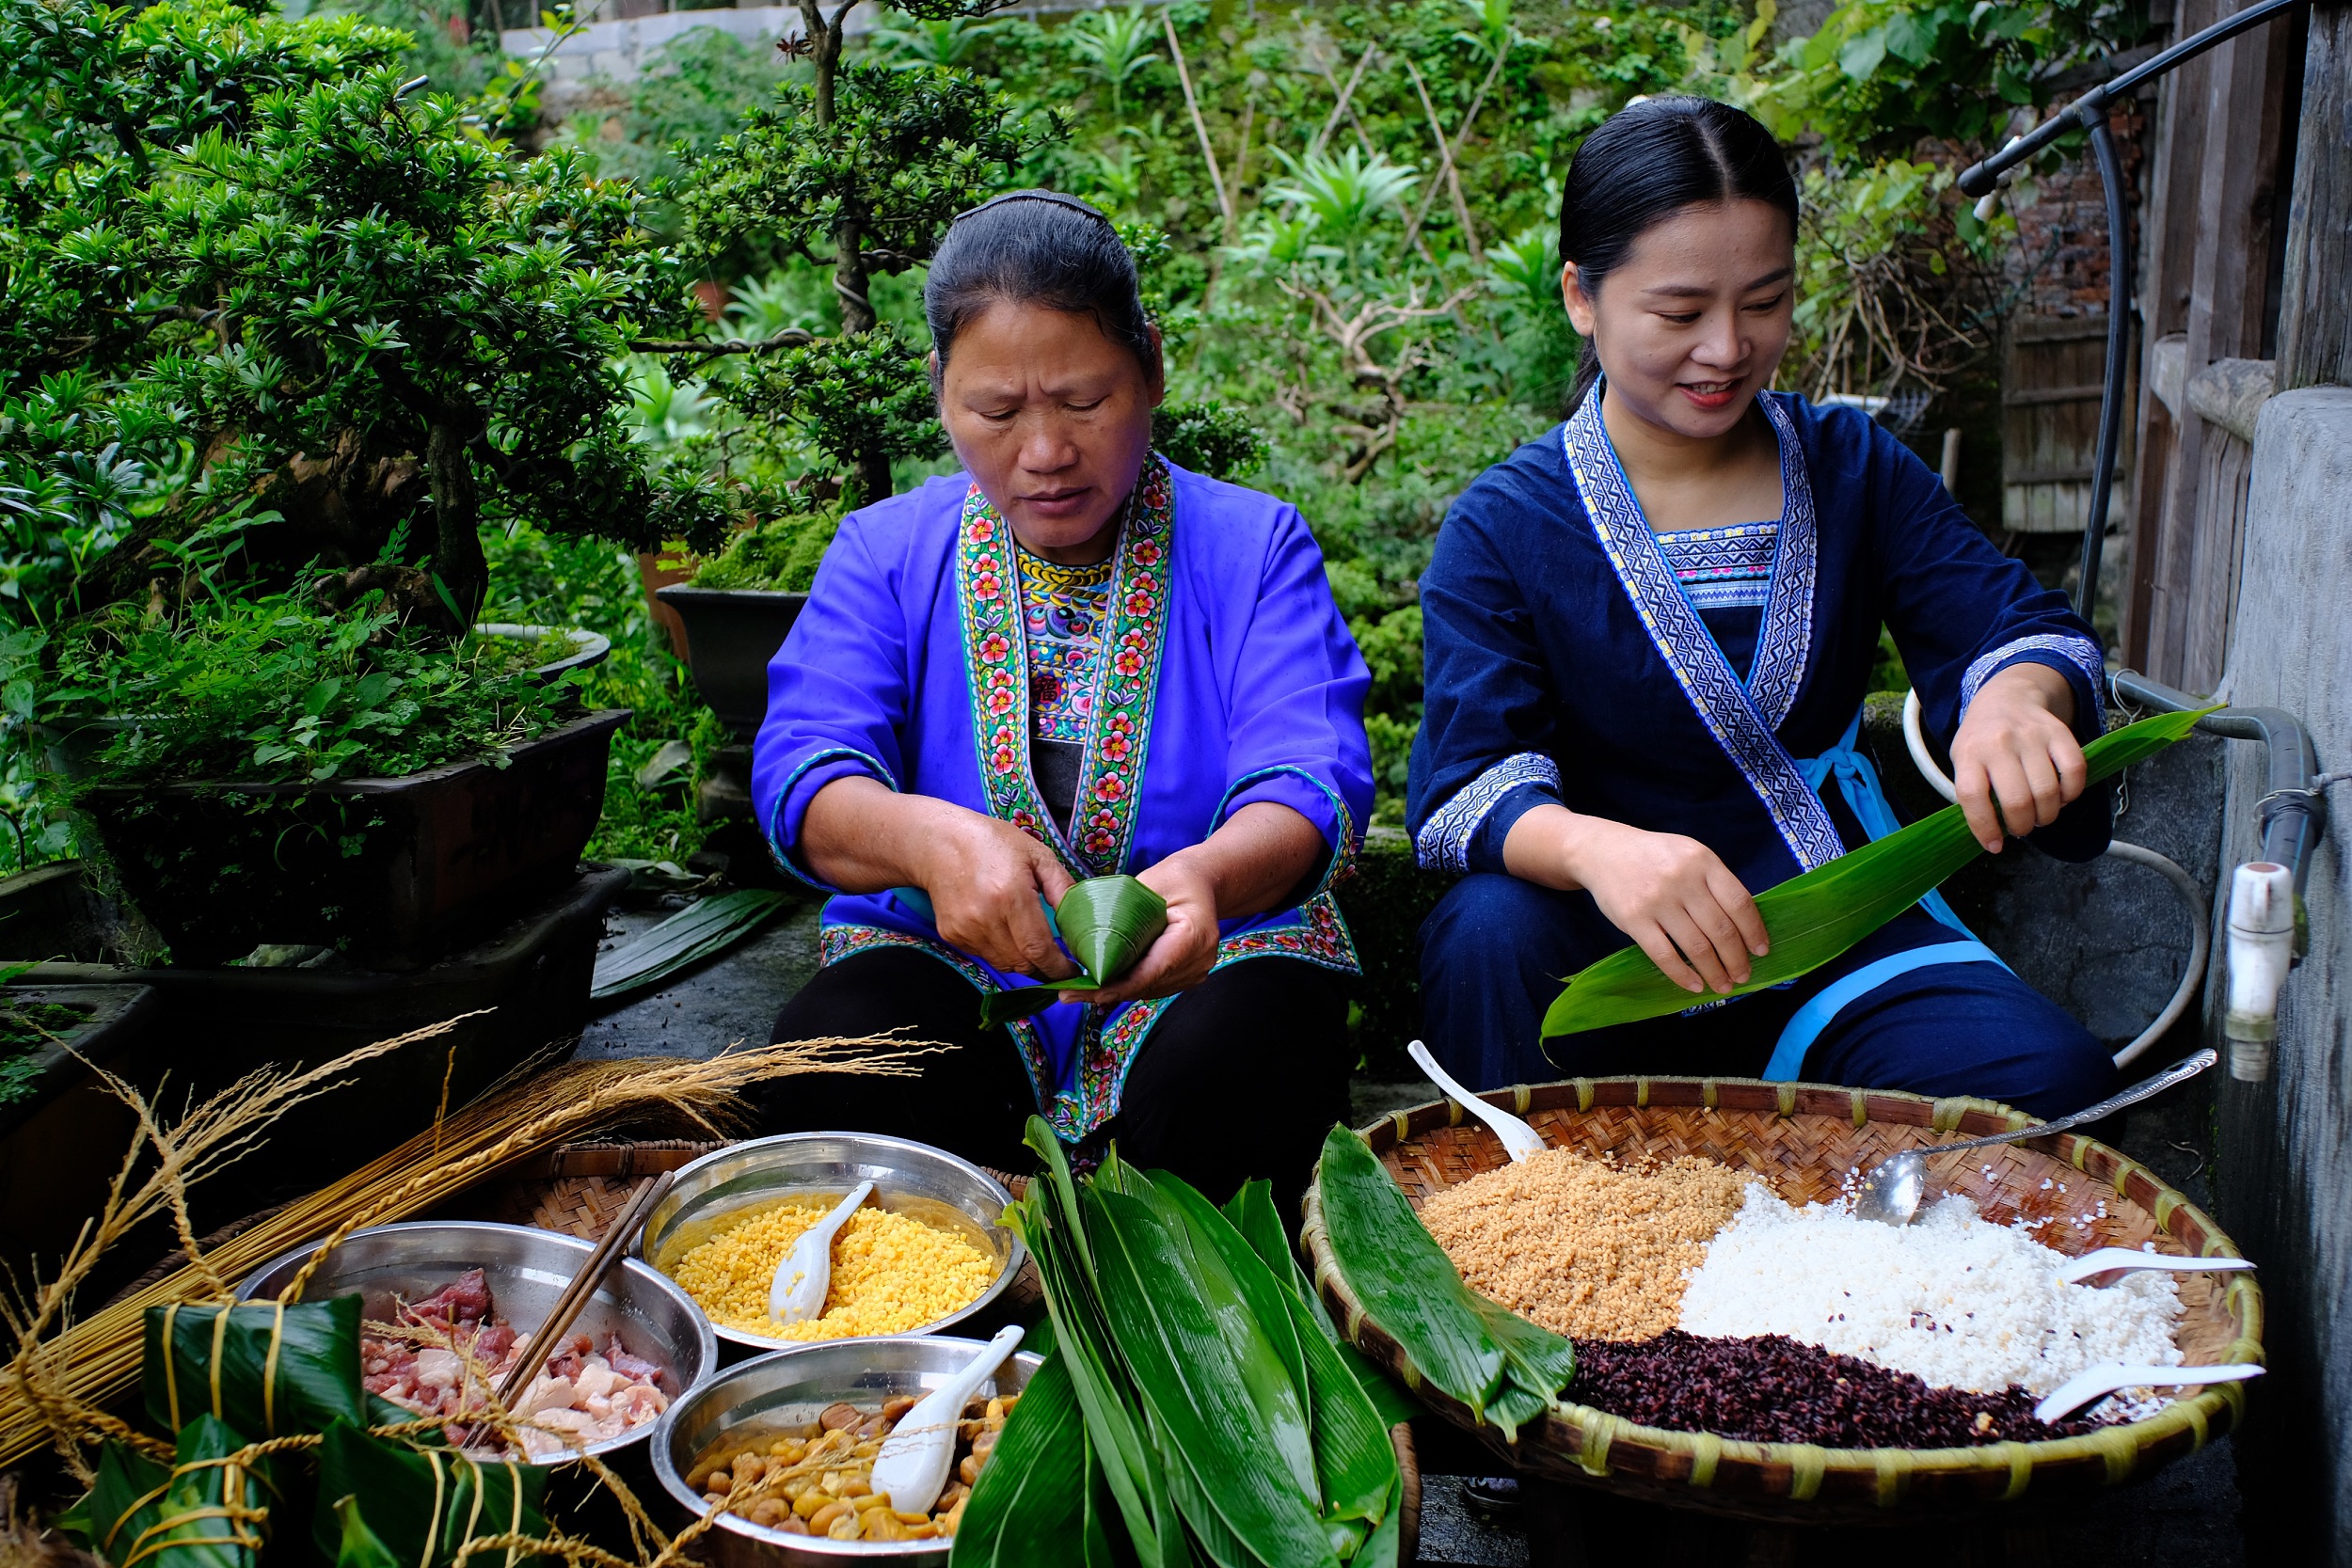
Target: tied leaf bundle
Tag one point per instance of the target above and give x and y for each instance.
(1507, 1369)
(1195, 1407)
(219, 1376)
(1814, 917)
(1107, 923)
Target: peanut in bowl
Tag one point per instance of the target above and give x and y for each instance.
(777, 1449)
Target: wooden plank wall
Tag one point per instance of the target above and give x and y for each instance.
(2315, 311)
(2052, 378)
(2214, 197)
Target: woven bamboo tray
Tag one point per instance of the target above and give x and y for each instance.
(1802, 1139)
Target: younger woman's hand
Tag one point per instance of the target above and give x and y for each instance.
(1180, 957)
(2015, 764)
(1669, 893)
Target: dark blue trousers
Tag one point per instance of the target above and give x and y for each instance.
(1497, 950)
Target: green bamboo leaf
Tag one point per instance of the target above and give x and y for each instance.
(263, 1371)
(1248, 1307)
(1030, 1505)
(1184, 1373)
(1340, 1446)
(173, 1517)
(1817, 915)
(1048, 1222)
(1107, 923)
(703, 929)
(362, 1547)
(1408, 1285)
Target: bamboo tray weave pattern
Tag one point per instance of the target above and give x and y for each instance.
(1802, 1139)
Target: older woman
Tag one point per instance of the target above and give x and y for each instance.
(1071, 659)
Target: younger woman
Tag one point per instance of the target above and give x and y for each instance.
(1648, 636)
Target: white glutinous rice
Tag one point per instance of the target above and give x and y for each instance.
(1963, 1303)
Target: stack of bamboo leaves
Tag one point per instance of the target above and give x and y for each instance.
(1505, 1369)
(1198, 1405)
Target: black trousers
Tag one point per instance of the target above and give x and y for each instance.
(1241, 1077)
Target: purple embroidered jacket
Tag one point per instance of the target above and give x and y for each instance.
(1228, 678)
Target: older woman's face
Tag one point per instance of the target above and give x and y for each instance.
(1054, 419)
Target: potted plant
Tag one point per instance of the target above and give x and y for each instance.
(280, 316)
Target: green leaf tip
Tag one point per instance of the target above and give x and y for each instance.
(1815, 917)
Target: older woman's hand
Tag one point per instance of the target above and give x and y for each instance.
(2015, 763)
(1180, 956)
(1254, 863)
(984, 876)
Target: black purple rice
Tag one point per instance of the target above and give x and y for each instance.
(1773, 1390)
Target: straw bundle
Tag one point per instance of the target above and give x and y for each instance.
(53, 1385)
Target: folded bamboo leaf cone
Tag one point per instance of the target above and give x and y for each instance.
(1107, 923)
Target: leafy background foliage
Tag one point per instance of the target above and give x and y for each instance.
(272, 301)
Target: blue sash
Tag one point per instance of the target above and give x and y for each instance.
(1859, 782)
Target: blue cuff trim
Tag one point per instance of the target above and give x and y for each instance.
(787, 862)
(1341, 847)
(1485, 845)
(2077, 658)
(1444, 841)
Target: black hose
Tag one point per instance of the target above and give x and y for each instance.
(2111, 396)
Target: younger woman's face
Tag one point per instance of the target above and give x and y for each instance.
(1052, 419)
(1693, 323)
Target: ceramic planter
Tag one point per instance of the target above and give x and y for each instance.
(731, 634)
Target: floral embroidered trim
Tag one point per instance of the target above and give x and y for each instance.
(1351, 840)
(1732, 715)
(1107, 1038)
(2078, 651)
(1110, 779)
(1316, 932)
(836, 942)
(774, 835)
(1445, 838)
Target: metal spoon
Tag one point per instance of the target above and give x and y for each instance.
(2097, 1383)
(1891, 1194)
(913, 1465)
(1518, 1139)
(2111, 1263)
(798, 1291)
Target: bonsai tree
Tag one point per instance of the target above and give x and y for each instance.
(863, 167)
(257, 281)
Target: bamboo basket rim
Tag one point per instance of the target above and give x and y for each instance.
(2123, 1449)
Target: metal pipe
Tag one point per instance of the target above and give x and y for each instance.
(2089, 111)
(2293, 813)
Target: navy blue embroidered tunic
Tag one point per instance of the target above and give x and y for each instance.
(1707, 683)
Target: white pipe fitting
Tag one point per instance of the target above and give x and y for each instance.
(2261, 951)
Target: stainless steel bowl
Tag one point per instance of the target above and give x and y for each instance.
(787, 1389)
(819, 1170)
(526, 1269)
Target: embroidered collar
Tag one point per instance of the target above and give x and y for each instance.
(1742, 716)
(996, 662)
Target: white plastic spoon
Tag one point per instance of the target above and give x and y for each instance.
(2097, 1383)
(798, 1291)
(1518, 1139)
(913, 1465)
(2111, 1263)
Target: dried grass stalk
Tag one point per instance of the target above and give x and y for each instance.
(61, 1371)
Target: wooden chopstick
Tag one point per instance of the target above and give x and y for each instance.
(583, 1287)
